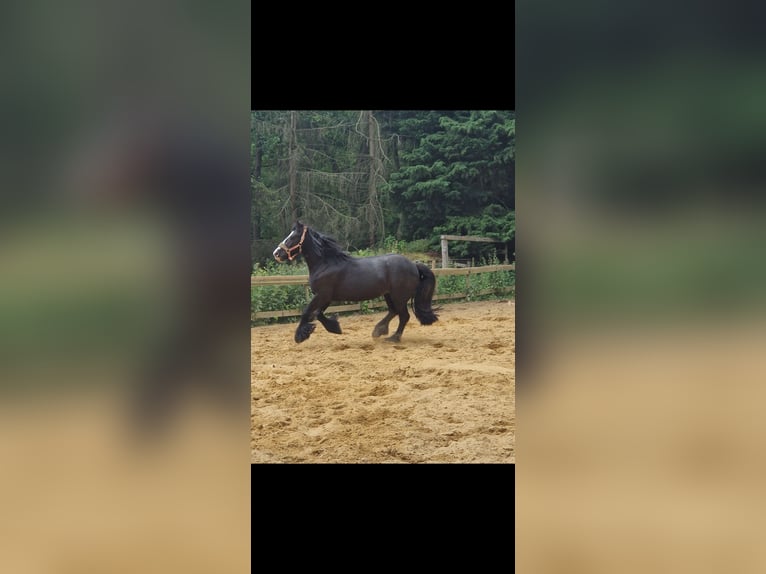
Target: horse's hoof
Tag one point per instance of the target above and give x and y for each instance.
(393, 338)
(379, 330)
(334, 327)
(303, 332)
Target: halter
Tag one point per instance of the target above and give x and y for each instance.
(298, 246)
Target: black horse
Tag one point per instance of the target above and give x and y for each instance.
(334, 275)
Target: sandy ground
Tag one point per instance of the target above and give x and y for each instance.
(444, 394)
(77, 497)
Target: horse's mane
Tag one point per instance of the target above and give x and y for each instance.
(327, 247)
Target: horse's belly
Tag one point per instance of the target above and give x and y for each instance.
(360, 293)
(361, 286)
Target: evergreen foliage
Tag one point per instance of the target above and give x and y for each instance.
(369, 176)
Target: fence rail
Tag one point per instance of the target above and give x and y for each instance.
(263, 280)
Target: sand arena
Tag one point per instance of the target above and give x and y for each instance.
(445, 393)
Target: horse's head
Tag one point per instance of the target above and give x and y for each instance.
(291, 245)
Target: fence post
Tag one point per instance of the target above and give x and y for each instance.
(467, 282)
(445, 253)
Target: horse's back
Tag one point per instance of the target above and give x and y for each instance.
(396, 267)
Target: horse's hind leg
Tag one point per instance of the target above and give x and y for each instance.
(382, 327)
(404, 316)
(330, 323)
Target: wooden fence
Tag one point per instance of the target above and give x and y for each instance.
(446, 238)
(263, 280)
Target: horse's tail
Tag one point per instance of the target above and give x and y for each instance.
(421, 304)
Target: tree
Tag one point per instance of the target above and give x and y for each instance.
(454, 164)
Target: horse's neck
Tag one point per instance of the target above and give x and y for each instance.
(313, 263)
(312, 259)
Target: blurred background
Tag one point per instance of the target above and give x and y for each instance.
(125, 343)
(641, 287)
(124, 337)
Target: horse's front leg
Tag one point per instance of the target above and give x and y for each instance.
(330, 323)
(306, 325)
